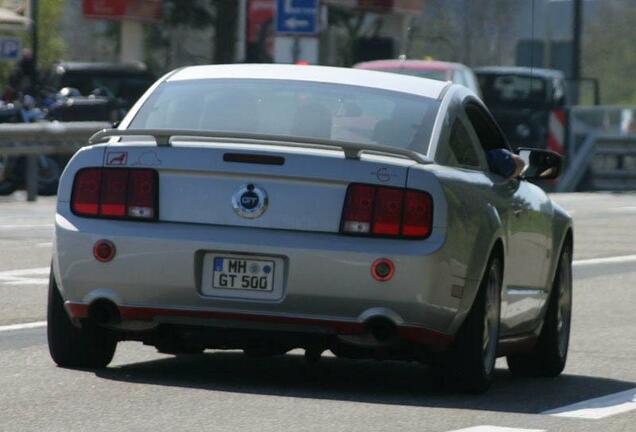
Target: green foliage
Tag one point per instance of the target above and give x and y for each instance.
(220, 15)
(608, 51)
(349, 23)
(51, 44)
(193, 13)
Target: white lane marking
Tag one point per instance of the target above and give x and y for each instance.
(623, 209)
(45, 244)
(23, 326)
(21, 272)
(496, 429)
(598, 408)
(26, 226)
(27, 281)
(606, 260)
(24, 276)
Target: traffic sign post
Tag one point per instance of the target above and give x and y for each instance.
(10, 48)
(297, 17)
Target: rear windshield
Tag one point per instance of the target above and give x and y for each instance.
(292, 108)
(514, 91)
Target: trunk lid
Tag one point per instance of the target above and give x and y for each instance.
(305, 188)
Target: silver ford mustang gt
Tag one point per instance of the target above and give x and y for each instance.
(273, 207)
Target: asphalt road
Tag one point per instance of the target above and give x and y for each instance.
(143, 390)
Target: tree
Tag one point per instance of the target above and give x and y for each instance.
(51, 45)
(218, 16)
(474, 32)
(608, 51)
(50, 42)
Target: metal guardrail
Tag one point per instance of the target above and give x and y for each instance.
(33, 139)
(610, 119)
(24, 139)
(601, 149)
(601, 162)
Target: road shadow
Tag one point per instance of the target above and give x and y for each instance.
(393, 383)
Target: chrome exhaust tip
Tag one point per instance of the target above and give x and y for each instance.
(383, 330)
(104, 312)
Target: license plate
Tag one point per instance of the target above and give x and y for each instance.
(243, 274)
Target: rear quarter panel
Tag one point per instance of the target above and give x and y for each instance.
(471, 225)
(562, 224)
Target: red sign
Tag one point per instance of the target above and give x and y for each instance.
(260, 13)
(119, 10)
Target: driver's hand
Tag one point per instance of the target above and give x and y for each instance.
(520, 166)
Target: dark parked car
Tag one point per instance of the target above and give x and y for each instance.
(528, 104)
(103, 91)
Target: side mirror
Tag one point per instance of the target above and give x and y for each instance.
(540, 164)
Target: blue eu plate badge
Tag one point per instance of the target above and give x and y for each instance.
(218, 264)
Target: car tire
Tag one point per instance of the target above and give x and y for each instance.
(49, 172)
(549, 355)
(7, 187)
(7, 184)
(470, 363)
(88, 346)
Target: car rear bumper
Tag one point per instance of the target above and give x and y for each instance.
(156, 278)
(356, 331)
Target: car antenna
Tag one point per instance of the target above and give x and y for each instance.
(532, 46)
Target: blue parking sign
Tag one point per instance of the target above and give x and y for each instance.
(297, 16)
(10, 48)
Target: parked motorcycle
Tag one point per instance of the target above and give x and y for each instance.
(13, 174)
(12, 168)
(64, 105)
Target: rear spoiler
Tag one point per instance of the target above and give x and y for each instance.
(163, 138)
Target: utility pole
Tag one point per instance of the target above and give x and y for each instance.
(34, 39)
(577, 29)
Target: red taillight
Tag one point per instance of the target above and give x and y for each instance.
(114, 187)
(418, 214)
(141, 194)
(387, 211)
(119, 193)
(358, 211)
(86, 192)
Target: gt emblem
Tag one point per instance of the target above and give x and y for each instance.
(250, 201)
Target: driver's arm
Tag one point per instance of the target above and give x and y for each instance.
(505, 163)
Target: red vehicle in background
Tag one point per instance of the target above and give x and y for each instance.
(437, 70)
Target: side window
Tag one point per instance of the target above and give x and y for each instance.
(462, 150)
(487, 132)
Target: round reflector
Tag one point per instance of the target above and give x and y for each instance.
(104, 250)
(382, 269)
